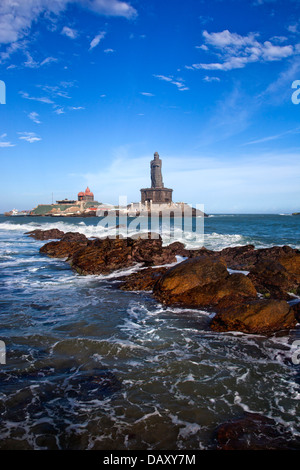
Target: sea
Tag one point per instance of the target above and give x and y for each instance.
(85, 365)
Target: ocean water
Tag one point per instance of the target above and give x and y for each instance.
(92, 367)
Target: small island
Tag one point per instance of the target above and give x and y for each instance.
(155, 201)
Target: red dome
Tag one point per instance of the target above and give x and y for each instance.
(88, 192)
(81, 193)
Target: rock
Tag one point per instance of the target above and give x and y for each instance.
(291, 262)
(50, 234)
(247, 257)
(257, 317)
(237, 288)
(142, 280)
(102, 256)
(274, 271)
(296, 310)
(69, 243)
(202, 282)
(74, 237)
(239, 257)
(273, 280)
(254, 432)
(178, 249)
(150, 252)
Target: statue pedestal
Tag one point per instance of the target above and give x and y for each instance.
(156, 195)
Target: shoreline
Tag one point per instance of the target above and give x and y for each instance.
(235, 283)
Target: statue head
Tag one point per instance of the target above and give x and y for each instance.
(156, 155)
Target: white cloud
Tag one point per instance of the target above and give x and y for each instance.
(274, 137)
(145, 93)
(211, 79)
(97, 39)
(236, 51)
(48, 60)
(30, 137)
(59, 111)
(293, 28)
(42, 99)
(107, 51)
(31, 63)
(17, 16)
(177, 82)
(69, 32)
(34, 117)
(110, 7)
(6, 144)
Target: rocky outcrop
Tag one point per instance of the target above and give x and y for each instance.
(69, 243)
(51, 234)
(203, 282)
(257, 317)
(273, 280)
(253, 431)
(103, 256)
(275, 271)
(142, 280)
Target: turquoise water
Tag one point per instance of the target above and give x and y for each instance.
(91, 367)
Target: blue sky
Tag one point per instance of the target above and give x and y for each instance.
(95, 87)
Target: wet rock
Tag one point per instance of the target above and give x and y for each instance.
(150, 252)
(203, 282)
(103, 256)
(68, 244)
(254, 432)
(246, 257)
(296, 310)
(74, 237)
(178, 249)
(275, 271)
(61, 249)
(142, 280)
(257, 317)
(239, 257)
(50, 234)
(290, 260)
(273, 280)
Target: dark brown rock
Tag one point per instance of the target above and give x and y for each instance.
(296, 310)
(274, 271)
(74, 237)
(61, 249)
(258, 317)
(254, 432)
(50, 234)
(273, 280)
(202, 282)
(102, 256)
(142, 280)
(247, 257)
(150, 252)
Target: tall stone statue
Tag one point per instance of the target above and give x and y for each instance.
(157, 194)
(156, 176)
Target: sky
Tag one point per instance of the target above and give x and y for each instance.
(94, 87)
